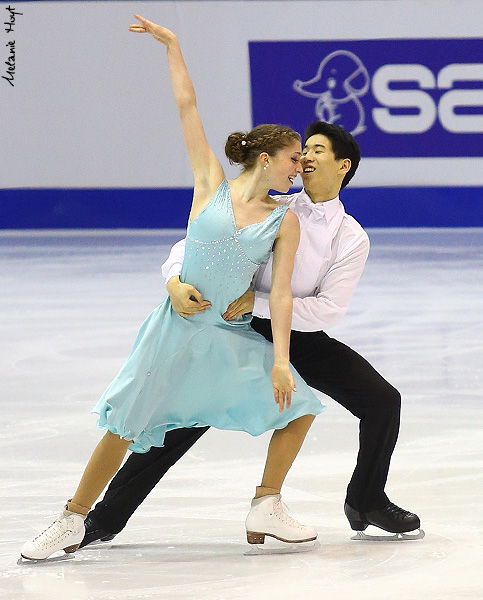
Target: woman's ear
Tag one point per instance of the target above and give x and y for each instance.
(263, 158)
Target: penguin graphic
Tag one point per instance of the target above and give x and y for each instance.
(340, 81)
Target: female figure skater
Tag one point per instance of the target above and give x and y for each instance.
(204, 370)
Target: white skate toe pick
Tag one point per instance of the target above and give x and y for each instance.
(65, 533)
(269, 517)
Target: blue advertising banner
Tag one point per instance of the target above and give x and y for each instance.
(399, 98)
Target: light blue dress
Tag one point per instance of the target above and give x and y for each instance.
(203, 370)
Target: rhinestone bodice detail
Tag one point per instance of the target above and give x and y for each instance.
(220, 260)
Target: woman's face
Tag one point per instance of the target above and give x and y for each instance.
(284, 167)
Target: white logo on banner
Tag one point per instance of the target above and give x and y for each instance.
(340, 81)
(428, 110)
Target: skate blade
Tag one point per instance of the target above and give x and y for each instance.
(272, 546)
(42, 561)
(391, 537)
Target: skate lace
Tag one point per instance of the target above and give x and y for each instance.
(279, 512)
(58, 527)
(397, 512)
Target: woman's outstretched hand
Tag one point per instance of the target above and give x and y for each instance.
(163, 35)
(283, 386)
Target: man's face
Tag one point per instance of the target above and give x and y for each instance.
(320, 169)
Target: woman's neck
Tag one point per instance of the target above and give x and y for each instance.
(250, 185)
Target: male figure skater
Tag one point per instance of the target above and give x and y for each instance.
(329, 262)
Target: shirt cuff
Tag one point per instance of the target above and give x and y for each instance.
(173, 272)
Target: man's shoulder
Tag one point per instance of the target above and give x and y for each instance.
(351, 234)
(353, 225)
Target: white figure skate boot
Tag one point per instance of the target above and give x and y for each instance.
(65, 533)
(268, 516)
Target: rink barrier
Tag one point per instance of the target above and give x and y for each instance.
(169, 208)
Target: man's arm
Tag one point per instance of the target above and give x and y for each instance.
(173, 264)
(319, 312)
(186, 300)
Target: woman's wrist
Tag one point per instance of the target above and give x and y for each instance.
(282, 363)
(171, 41)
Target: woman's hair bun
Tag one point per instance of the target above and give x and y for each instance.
(236, 147)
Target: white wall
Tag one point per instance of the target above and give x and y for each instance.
(92, 104)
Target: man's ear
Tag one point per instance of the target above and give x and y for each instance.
(346, 165)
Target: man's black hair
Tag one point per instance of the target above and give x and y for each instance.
(343, 144)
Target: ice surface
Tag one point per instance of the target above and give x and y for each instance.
(70, 306)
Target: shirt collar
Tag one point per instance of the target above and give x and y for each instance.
(318, 210)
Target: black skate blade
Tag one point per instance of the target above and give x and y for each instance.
(361, 536)
(272, 546)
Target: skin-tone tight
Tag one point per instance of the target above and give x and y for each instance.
(110, 451)
(282, 450)
(102, 466)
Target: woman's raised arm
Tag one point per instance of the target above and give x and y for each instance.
(207, 170)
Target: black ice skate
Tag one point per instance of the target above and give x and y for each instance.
(403, 524)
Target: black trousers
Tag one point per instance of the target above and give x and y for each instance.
(326, 365)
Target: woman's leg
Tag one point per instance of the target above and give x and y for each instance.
(268, 515)
(282, 450)
(101, 468)
(67, 532)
